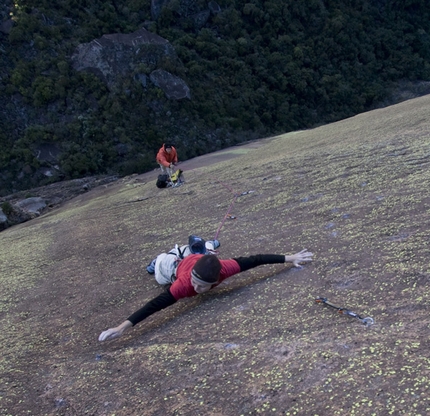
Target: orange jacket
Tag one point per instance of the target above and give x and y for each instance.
(165, 159)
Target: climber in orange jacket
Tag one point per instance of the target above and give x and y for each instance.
(167, 158)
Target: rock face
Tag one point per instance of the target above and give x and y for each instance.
(33, 205)
(13, 215)
(214, 7)
(16, 208)
(201, 18)
(3, 220)
(156, 6)
(115, 56)
(173, 87)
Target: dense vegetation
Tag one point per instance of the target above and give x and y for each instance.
(255, 68)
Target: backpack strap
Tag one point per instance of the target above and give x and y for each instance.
(180, 253)
(177, 252)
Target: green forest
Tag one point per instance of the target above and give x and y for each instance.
(254, 68)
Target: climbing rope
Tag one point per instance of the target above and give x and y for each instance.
(227, 214)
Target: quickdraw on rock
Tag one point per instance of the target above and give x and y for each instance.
(366, 321)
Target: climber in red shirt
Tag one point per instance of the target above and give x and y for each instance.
(199, 273)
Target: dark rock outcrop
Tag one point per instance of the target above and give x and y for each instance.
(18, 208)
(33, 205)
(13, 215)
(214, 7)
(201, 18)
(3, 220)
(114, 56)
(156, 6)
(174, 87)
(47, 152)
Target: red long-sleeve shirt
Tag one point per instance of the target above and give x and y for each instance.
(182, 287)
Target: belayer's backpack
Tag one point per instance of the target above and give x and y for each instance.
(162, 181)
(177, 177)
(165, 181)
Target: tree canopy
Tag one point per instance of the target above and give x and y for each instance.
(255, 68)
